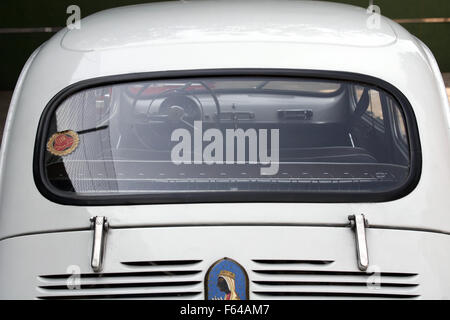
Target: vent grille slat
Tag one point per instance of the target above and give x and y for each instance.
(332, 272)
(124, 274)
(124, 296)
(313, 262)
(124, 285)
(156, 279)
(269, 279)
(328, 283)
(337, 294)
(161, 263)
(290, 279)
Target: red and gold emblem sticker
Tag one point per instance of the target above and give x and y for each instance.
(63, 143)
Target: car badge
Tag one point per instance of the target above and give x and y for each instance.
(226, 280)
(63, 143)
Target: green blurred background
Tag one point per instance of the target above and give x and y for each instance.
(16, 47)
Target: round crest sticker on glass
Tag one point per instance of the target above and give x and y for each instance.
(226, 280)
(63, 143)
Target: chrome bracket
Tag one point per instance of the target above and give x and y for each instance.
(359, 223)
(100, 226)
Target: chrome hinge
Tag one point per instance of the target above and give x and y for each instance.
(100, 226)
(359, 223)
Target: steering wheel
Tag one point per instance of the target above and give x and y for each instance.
(177, 109)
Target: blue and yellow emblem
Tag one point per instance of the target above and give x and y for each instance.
(226, 280)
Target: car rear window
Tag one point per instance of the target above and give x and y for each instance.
(240, 138)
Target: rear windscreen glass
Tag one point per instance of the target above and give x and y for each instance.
(234, 135)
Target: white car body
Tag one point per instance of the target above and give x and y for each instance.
(408, 238)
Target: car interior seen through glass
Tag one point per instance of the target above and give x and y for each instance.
(229, 134)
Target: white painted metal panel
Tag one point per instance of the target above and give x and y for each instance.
(214, 21)
(408, 262)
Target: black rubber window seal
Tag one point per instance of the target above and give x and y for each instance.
(53, 194)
